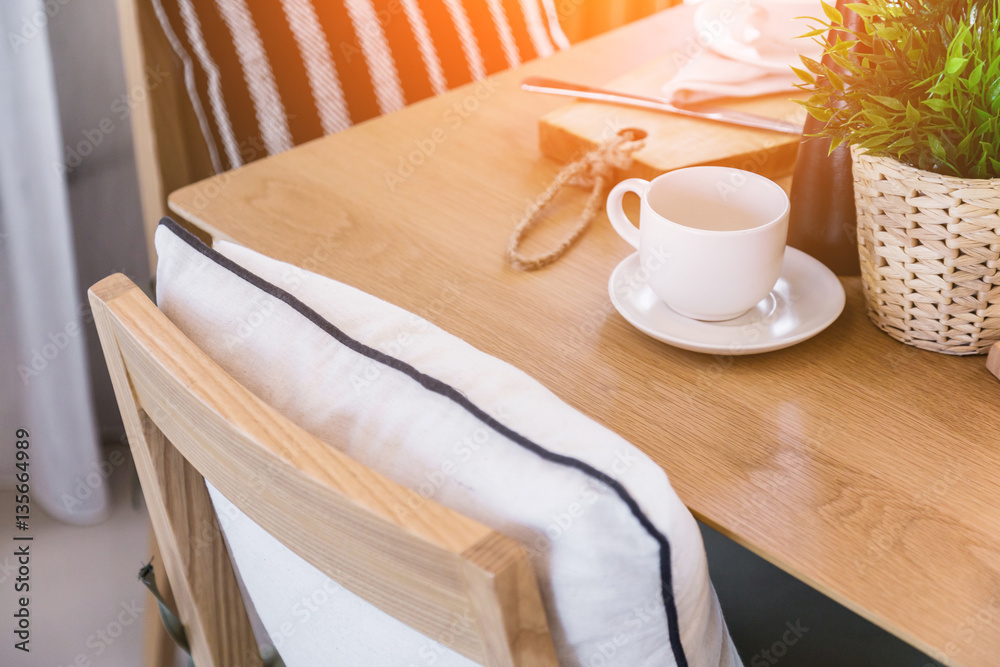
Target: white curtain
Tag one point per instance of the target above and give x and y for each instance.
(44, 386)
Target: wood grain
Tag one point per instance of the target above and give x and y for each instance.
(867, 468)
(505, 599)
(201, 578)
(672, 142)
(428, 566)
(166, 158)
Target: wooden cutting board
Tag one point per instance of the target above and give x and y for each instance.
(672, 141)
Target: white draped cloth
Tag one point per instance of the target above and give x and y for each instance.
(44, 383)
(745, 49)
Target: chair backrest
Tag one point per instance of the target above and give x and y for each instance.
(169, 149)
(189, 422)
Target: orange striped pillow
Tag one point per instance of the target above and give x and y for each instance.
(265, 75)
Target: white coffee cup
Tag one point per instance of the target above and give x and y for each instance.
(711, 238)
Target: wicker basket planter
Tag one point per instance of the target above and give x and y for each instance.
(930, 249)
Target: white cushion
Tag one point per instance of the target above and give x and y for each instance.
(619, 559)
(309, 618)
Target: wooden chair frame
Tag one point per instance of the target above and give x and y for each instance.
(188, 421)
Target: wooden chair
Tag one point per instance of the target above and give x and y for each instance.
(169, 149)
(188, 422)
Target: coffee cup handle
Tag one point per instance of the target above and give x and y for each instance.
(616, 212)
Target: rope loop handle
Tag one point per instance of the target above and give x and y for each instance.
(593, 170)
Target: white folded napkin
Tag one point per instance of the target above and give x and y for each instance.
(747, 49)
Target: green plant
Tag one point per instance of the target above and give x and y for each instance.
(918, 80)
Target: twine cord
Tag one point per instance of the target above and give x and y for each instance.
(593, 170)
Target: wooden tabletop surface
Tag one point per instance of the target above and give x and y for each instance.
(866, 468)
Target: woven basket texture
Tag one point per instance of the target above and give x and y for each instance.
(930, 248)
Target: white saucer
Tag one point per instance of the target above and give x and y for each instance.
(807, 299)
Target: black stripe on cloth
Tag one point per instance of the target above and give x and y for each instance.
(449, 392)
(171, 13)
(170, 22)
(289, 70)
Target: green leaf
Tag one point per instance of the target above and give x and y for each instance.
(917, 79)
(861, 9)
(840, 60)
(890, 102)
(993, 71)
(937, 148)
(965, 143)
(993, 96)
(901, 144)
(813, 33)
(955, 65)
(804, 75)
(833, 14)
(822, 114)
(942, 87)
(888, 32)
(834, 80)
(811, 65)
(975, 77)
(876, 142)
(938, 105)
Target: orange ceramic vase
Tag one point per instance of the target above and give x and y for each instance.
(823, 221)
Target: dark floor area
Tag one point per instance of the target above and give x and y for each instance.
(776, 619)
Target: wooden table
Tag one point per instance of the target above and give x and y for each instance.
(868, 469)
